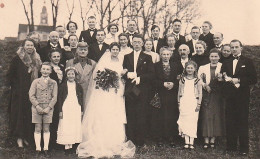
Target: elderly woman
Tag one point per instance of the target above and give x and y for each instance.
(212, 103)
(148, 45)
(166, 85)
(200, 57)
(225, 53)
(23, 70)
(112, 34)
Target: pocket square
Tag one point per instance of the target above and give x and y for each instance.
(144, 62)
(243, 66)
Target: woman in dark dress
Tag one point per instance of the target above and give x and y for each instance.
(166, 85)
(23, 70)
(225, 53)
(212, 102)
(200, 57)
(36, 37)
(57, 74)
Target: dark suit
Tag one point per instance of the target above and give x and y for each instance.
(180, 41)
(95, 53)
(165, 118)
(44, 52)
(130, 36)
(208, 39)
(237, 101)
(86, 36)
(136, 109)
(160, 44)
(192, 50)
(65, 42)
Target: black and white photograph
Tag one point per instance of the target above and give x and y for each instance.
(132, 79)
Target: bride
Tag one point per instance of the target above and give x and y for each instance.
(103, 124)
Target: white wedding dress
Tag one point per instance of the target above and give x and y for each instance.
(103, 125)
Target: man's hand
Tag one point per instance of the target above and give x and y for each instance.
(124, 72)
(235, 81)
(131, 75)
(136, 80)
(170, 85)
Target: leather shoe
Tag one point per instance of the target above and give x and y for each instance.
(46, 154)
(37, 154)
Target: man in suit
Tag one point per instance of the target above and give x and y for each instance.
(195, 33)
(131, 31)
(140, 72)
(97, 49)
(89, 36)
(62, 41)
(218, 38)
(207, 36)
(239, 73)
(157, 41)
(176, 27)
(53, 43)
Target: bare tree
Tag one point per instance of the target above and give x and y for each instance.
(84, 11)
(54, 8)
(70, 10)
(30, 20)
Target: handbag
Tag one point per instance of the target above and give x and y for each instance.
(156, 101)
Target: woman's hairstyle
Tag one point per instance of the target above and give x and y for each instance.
(209, 23)
(202, 43)
(148, 39)
(164, 48)
(224, 46)
(190, 62)
(28, 39)
(109, 27)
(71, 68)
(68, 25)
(114, 44)
(123, 34)
(55, 50)
(215, 50)
(170, 35)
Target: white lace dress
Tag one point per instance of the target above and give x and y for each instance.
(103, 125)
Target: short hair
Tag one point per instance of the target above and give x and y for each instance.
(131, 20)
(215, 50)
(164, 48)
(154, 27)
(71, 36)
(176, 20)
(236, 40)
(59, 26)
(28, 39)
(220, 34)
(114, 44)
(55, 50)
(99, 30)
(202, 43)
(138, 36)
(209, 23)
(170, 35)
(185, 46)
(148, 39)
(123, 34)
(195, 27)
(91, 17)
(46, 63)
(224, 46)
(73, 23)
(109, 27)
(71, 68)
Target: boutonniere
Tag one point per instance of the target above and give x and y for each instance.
(243, 66)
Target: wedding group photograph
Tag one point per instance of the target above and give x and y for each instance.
(148, 79)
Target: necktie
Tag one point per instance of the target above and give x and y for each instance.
(236, 57)
(176, 37)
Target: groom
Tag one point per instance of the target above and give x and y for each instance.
(140, 72)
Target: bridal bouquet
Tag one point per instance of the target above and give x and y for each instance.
(107, 79)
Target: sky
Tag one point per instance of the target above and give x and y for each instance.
(236, 19)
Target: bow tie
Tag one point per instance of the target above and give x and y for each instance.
(236, 57)
(155, 38)
(91, 29)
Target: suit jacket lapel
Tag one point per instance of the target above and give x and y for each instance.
(239, 64)
(131, 60)
(140, 59)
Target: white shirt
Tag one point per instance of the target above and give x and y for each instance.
(235, 64)
(100, 46)
(136, 56)
(155, 42)
(194, 43)
(183, 62)
(61, 42)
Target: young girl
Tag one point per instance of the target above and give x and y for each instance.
(189, 99)
(43, 96)
(70, 103)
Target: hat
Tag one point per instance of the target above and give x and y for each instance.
(82, 44)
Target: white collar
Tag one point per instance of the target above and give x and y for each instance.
(238, 55)
(137, 52)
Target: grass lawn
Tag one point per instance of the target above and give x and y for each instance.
(8, 148)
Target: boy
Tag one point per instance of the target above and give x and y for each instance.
(89, 36)
(43, 96)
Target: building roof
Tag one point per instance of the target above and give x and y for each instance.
(39, 28)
